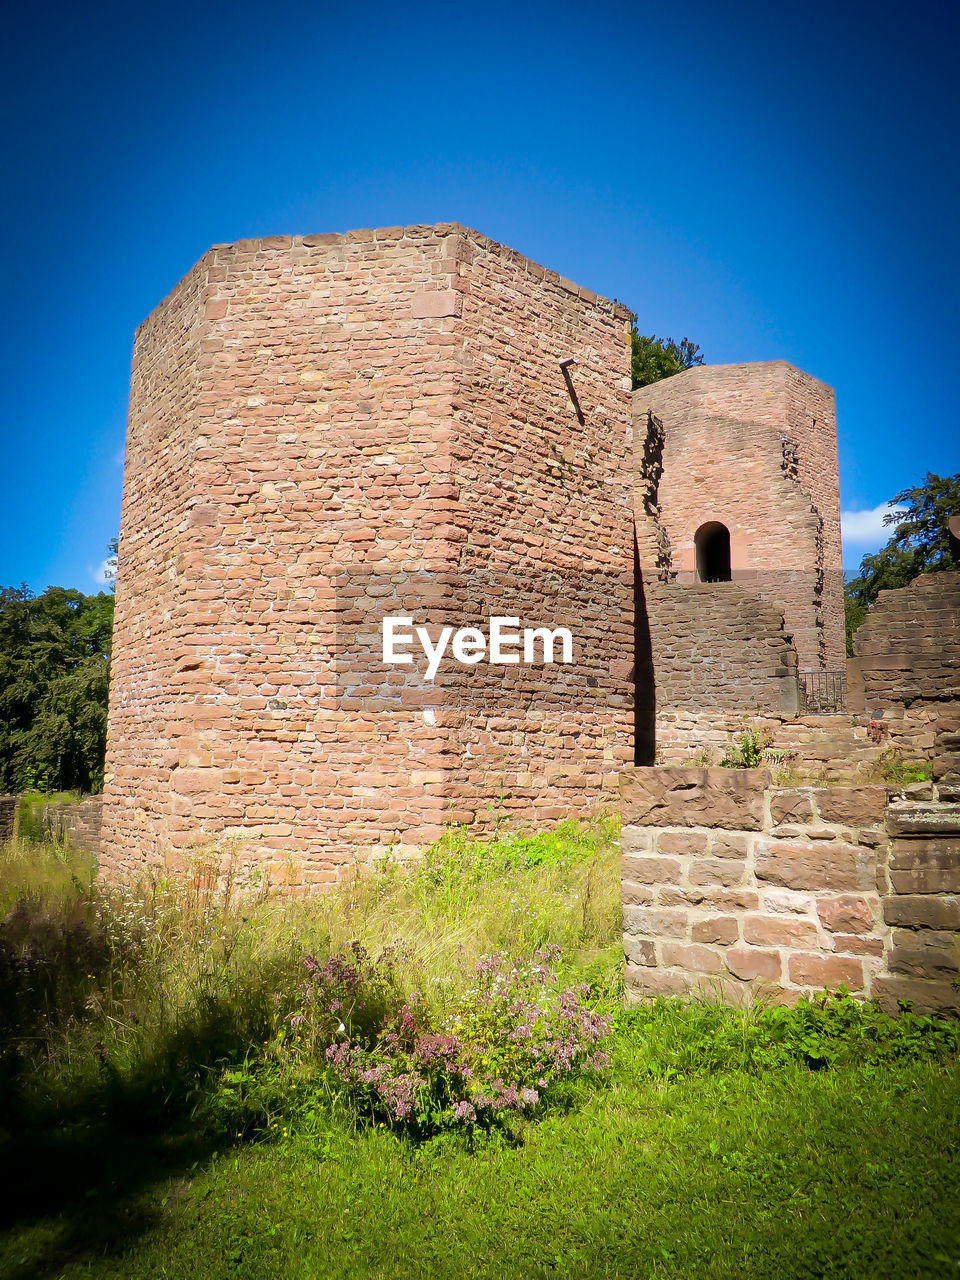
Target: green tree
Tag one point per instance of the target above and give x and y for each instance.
(54, 677)
(919, 544)
(653, 358)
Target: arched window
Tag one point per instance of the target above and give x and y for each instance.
(712, 541)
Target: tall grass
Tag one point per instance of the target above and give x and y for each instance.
(138, 998)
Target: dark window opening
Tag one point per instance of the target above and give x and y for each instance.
(712, 541)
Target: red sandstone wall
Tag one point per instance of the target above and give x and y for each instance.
(720, 659)
(906, 669)
(146, 691)
(545, 508)
(754, 446)
(314, 419)
(740, 889)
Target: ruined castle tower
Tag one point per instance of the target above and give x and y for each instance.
(324, 428)
(749, 492)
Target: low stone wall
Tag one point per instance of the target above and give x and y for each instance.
(906, 672)
(736, 887)
(8, 815)
(73, 822)
(77, 823)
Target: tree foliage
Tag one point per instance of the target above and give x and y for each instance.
(919, 544)
(54, 677)
(653, 358)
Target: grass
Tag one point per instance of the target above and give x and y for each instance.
(821, 1142)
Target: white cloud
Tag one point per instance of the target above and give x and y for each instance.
(865, 529)
(105, 571)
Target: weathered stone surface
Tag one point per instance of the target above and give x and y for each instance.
(748, 964)
(643, 983)
(690, 956)
(717, 929)
(650, 869)
(894, 990)
(919, 955)
(927, 879)
(826, 971)
(798, 865)
(923, 912)
(924, 854)
(851, 806)
(730, 844)
(782, 931)
(655, 922)
(672, 796)
(923, 819)
(636, 894)
(639, 950)
(682, 843)
(854, 944)
(849, 913)
(716, 871)
(795, 806)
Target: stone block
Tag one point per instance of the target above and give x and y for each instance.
(641, 951)
(821, 865)
(716, 871)
(851, 806)
(927, 911)
(655, 922)
(793, 805)
(749, 964)
(649, 869)
(681, 843)
(779, 931)
(690, 956)
(923, 996)
(730, 844)
(635, 894)
(855, 944)
(848, 913)
(675, 796)
(825, 971)
(919, 956)
(716, 929)
(641, 983)
(923, 818)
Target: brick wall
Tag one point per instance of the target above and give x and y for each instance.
(320, 426)
(754, 447)
(720, 659)
(734, 887)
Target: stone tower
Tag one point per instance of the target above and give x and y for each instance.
(326, 428)
(749, 492)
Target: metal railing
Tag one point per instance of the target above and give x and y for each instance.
(823, 692)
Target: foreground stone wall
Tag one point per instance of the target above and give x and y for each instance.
(321, 426)
(737, 888)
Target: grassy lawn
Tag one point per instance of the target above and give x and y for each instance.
(714, 1144)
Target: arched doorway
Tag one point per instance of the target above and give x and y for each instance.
(712, 541)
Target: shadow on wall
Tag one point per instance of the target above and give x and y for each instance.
(644, 685)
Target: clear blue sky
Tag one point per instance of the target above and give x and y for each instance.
(769, 180)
